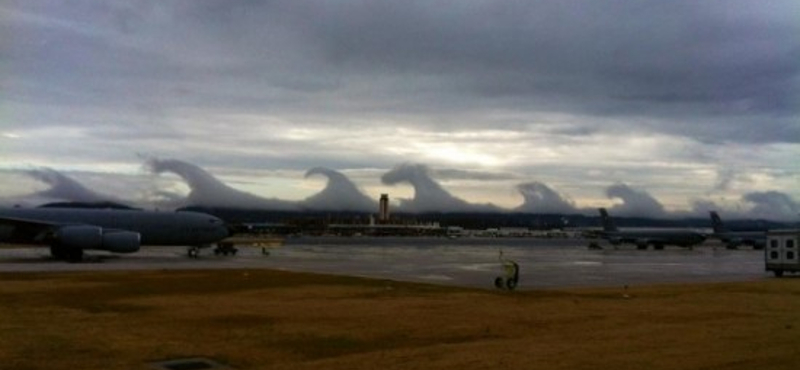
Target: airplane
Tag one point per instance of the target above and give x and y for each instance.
(70, 231)
(658, 238)
(733, 239)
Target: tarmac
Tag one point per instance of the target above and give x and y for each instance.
(544, 263)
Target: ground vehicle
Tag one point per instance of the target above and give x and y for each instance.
(781, 253)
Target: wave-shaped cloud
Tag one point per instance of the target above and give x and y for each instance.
(339, 194)
(62, 188)
(65, 188)
(206, 190)
(540, 198)
(634, 202)
(429, 196)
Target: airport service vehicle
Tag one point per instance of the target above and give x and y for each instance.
(781, 253)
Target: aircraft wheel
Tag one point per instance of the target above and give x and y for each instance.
(511, 284)
(58, 253)
(194, 252)
(498, 283)
(74, 255)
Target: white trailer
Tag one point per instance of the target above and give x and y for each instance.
(781, 254)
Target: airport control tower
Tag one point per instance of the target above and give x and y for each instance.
(384, 208)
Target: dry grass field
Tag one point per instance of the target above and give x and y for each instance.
(259, 319)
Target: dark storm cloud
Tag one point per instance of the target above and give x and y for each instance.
(681, 60)
(579, 89)
(707, 70)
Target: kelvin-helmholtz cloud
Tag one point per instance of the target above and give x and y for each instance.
(206, 190)
(61, 188)
(539, 198)
(339, 194)
(634, 202)
(429, 196)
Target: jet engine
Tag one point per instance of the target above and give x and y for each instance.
(121, 241)
(94, 237)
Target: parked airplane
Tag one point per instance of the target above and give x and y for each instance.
(658, 238)
(733, 239)
(70, 231)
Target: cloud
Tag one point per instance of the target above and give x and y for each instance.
(539, 198)
(772, 205)
(580, 92)
(61, 188)
(207, 190)
(340, 194)
(65, 188)
(634, 202)
(429, 196)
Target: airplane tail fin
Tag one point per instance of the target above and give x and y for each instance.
(608, 222)
(716, 222)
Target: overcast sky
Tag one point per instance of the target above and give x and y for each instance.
(682, 105)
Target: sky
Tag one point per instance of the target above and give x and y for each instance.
(663, 108)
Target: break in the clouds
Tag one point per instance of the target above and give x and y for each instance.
(576, 95)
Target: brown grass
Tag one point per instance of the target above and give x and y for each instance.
(258, 319)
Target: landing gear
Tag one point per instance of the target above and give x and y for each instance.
(225, 249)
(66, 253)
(193, 252)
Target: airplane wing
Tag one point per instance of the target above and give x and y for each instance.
(27, 231)
(67, 240)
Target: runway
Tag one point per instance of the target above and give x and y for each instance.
(544, 263)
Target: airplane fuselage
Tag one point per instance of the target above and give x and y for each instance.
(756, 239)
(655, 237)
(154, 228)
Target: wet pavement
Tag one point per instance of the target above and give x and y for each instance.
(464, 262)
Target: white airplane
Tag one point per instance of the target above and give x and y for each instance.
(70, 231)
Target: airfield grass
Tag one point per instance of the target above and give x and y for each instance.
(262, 319)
